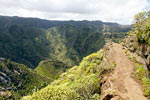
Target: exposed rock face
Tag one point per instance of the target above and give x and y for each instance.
(4, 78)
(130, 43)
(142, 51)
(120, 84)
(3, 60)
(17, 80)
(8, 78)
(6, 95)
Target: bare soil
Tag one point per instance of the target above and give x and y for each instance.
(122, 79)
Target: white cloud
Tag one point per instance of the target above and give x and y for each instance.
(121, 11)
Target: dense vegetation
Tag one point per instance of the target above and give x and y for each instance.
(78, 83)
(142, 27)
(141, 73)
(16, 80)
(115, 37)
(31, 40)
(51, 69)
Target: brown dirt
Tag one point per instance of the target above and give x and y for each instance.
(122, 81)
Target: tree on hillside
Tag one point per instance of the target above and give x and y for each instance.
(142, 27)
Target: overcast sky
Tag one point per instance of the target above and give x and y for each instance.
(121, 11)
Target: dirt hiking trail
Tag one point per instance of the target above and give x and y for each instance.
(122, 79)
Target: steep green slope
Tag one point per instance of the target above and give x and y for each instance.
(17, 80)
(69, 44)
(78, 83)
(69, 47)
(31, 40)
(51, 69)
(116, 37)
(18, 43)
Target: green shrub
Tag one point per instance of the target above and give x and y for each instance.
(86, 86)
(142, 75)
(80, 82)
(77, 83)
(142, 27)
(140, 72)
(146, 86)
(54, 93)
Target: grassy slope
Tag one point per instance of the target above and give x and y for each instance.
(51, 69)
(78, 83)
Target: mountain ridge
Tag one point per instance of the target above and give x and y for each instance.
(32, 46)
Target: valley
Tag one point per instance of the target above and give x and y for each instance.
(30, 40)
(74, 60)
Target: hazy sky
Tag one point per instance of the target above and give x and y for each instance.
(121, 11)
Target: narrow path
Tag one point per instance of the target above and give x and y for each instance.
(122, 78)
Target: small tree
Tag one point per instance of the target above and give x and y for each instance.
(142, 27)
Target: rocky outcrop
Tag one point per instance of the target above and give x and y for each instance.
(2, 60)
(5, 95)
(120, 84)
(140, 51)
(17, 80)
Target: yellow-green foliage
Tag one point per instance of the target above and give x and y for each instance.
(78, 83)
(58, 49)
(140, 72)
(142, 75)
(142, 27)
(51, 69)
(146, 86)
(54, 93)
